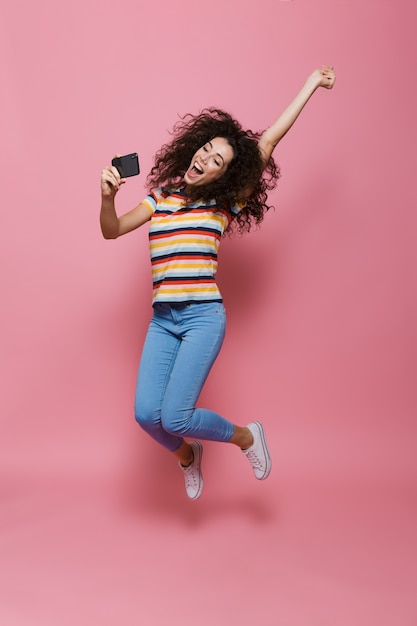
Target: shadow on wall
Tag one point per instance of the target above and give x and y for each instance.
(158, 494)
(150, 483)
(245, 266)
(249, 268)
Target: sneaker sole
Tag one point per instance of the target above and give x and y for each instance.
(266, 452)
(198, 451)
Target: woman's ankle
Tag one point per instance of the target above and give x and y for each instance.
(184, 454)
(242, 437)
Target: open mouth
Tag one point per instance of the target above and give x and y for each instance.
(196, 169)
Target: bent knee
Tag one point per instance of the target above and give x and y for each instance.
(147, 417)
(176, 422)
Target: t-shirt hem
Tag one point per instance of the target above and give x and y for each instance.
(175, 303)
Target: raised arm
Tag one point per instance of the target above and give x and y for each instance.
(113, 226)
(323, 77)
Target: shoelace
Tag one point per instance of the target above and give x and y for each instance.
(191, 478)
(254, 459)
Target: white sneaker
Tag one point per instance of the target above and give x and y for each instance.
(257, 454)
(192, 473)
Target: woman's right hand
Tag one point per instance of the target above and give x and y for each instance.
(110, 181)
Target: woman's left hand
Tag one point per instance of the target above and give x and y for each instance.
(324, 77)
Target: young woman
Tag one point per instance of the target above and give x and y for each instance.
(212, 177)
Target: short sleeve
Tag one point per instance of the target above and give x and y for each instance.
(151, 200)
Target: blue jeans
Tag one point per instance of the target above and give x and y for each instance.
(181, 345)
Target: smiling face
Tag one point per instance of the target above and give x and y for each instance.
(209, 162)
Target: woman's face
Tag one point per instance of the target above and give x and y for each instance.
(209, 162)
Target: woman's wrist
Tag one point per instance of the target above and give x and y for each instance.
(107, 201)
(313, 82)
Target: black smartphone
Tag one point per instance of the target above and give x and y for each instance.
(127, 165)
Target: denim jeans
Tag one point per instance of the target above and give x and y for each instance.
(181, 345)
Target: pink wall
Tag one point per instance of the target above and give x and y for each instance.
(321, 345)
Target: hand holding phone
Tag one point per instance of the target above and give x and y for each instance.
(127, 165)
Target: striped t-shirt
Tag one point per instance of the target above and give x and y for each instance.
(183, 242)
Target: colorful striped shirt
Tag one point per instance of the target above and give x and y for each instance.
(183, 243)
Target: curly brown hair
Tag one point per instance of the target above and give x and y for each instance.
(245, 181)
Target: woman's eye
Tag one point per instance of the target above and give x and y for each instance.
(217, 162)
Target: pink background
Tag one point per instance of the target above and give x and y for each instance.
(321, 345)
